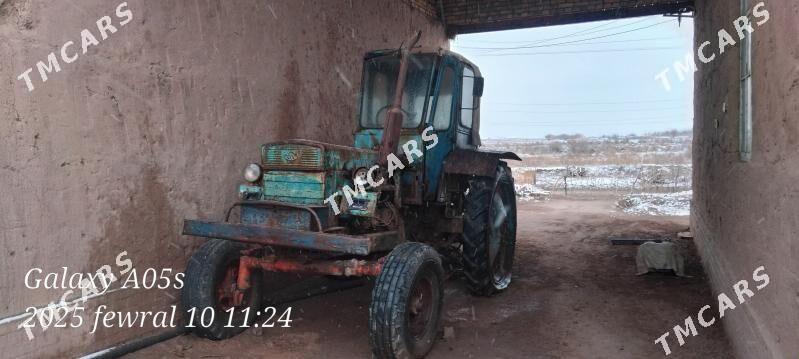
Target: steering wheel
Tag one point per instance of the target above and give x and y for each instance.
(385, 109)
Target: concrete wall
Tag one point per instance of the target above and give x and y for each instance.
(155, 124)
(746, 215)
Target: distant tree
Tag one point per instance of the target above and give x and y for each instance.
(557, 147)
(580, 146)
(564, 136)
(670, 133)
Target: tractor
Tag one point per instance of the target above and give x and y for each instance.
(408, 220)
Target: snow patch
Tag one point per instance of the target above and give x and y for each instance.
(657, 204)
(528, 192)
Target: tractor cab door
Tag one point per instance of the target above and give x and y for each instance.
(442, 107)
(453, 112)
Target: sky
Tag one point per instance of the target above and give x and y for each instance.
(595, 78)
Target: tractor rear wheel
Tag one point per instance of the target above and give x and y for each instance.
(211, 277)
(406, 302)
(489, 233)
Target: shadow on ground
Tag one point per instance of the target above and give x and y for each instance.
(573, 296)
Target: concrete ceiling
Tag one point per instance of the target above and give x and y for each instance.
(469, 16)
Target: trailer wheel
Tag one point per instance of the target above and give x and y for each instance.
(406, 302)
(489, 233)
(211, 276)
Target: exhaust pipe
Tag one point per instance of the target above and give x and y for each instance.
(393, 125)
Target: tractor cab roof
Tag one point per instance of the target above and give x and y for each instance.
(438, 51)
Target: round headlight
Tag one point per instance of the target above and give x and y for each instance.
(359, 177)
(360, 173)
(252, 173)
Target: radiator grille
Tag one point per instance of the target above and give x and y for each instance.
(291, 156)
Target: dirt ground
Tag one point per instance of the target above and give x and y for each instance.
(573, 296)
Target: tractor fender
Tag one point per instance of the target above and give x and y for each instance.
(476, 162)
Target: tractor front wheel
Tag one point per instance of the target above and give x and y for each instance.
(406, 302)
(211, 276)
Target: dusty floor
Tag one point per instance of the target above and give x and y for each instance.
(573, 296)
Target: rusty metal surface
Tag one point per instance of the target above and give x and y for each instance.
(280, 237)
(275, 204)
(470, 163)
(346, 268)
(505, 155)
(478, 163)
(288, 218)
(412, 186)
(384, 241)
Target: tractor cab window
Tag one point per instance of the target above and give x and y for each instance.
(467, 98)
(379, 82)
(443, 113)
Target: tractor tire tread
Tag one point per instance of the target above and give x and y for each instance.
(392, 285)
(476, 267)
(201, 272)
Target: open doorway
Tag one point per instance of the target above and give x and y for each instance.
(599, 107)
(601, 114)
